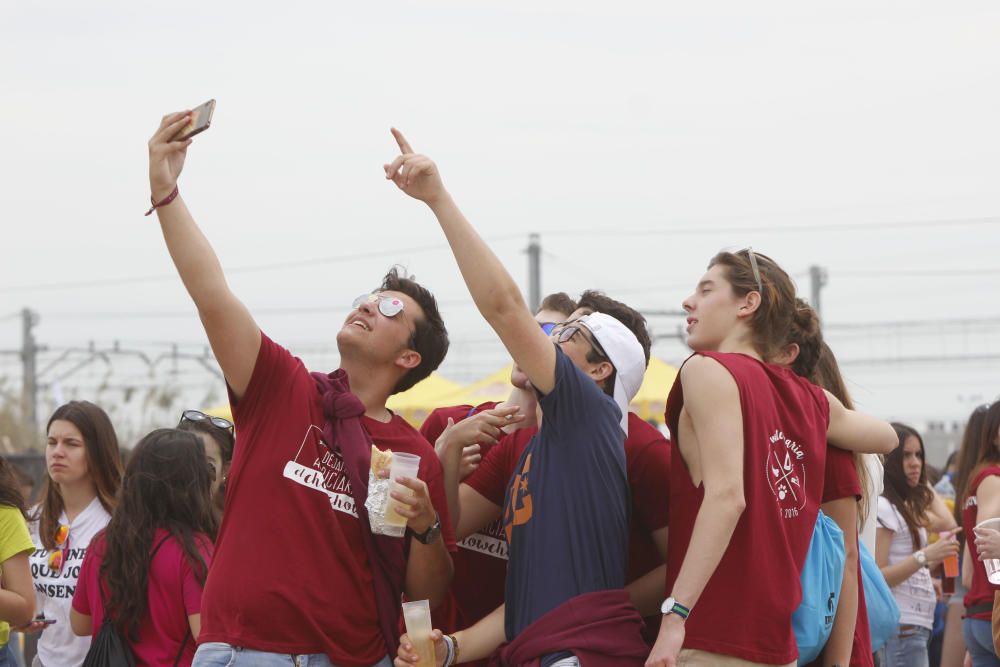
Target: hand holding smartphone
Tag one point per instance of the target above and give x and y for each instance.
(201, 120)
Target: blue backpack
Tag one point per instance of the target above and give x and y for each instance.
(822, 577)
(883, 612)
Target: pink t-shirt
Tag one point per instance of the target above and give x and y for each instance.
(173, 594)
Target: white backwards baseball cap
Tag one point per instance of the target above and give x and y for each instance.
(625, 352)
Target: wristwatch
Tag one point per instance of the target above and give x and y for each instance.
(431, 534)
(921, 558)
(672, 606)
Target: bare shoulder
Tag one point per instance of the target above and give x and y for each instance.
(701, 373)
(990, 486)
(834, 402)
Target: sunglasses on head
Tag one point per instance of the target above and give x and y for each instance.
(390, 306)
(755, 269)
(57, 557)
(199, 416)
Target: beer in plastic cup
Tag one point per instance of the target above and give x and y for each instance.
(417, 616)
(992, 564)
(401, 465)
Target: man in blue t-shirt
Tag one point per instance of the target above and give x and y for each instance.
(566, 513)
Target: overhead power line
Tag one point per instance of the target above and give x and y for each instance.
(253, 268)
(804, 228)
(915, 273)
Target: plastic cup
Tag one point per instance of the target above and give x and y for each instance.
(401, 465)
(992, 564)
(417, 616)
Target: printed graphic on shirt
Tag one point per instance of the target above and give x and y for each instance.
(317, 468)
(970, 502)
(786, 474)
(492, 541)
(49, 582)
(518, 511)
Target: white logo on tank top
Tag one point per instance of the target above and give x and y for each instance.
(786, 474)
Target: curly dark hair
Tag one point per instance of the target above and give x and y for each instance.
(598, 302)
(430, 337)
(167, 484)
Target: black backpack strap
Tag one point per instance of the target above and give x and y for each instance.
(180, 651)
(158, 545)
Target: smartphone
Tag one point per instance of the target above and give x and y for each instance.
(201, 120)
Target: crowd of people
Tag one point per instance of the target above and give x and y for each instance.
(556, 528)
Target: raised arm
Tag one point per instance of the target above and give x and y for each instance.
(858, 432)
(232, 332)
(712, 403)
(493, 290)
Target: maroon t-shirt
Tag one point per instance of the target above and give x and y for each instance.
(291, 572)
(473, 570)
(647, 458)
(746, 608)
(842, 482)
(981, 591)
(437, 420)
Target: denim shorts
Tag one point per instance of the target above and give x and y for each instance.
(216, 654)
(907, 649)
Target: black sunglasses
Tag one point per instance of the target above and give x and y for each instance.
(199, 416)
(567, 332)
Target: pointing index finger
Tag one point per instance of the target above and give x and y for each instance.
(404, 145)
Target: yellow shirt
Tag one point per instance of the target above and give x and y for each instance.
(14, 540)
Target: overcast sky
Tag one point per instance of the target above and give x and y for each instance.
(637, 138)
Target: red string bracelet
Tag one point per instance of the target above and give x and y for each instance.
(166, 200)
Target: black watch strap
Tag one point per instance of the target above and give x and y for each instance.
(431, 533)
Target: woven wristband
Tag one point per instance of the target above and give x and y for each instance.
(449, 657)
(166, 200)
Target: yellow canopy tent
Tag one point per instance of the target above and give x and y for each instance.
(492, 388)
(418, 401)
(220, 411)
(413, 405)
(651, 399)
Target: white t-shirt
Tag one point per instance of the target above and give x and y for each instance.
(875, 484)
(915, 596)
(58, 646)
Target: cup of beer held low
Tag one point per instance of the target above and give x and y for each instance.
(417, 616)
(992, 564)
(401, 465)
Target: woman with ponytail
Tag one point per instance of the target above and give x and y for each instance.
(846, 491)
